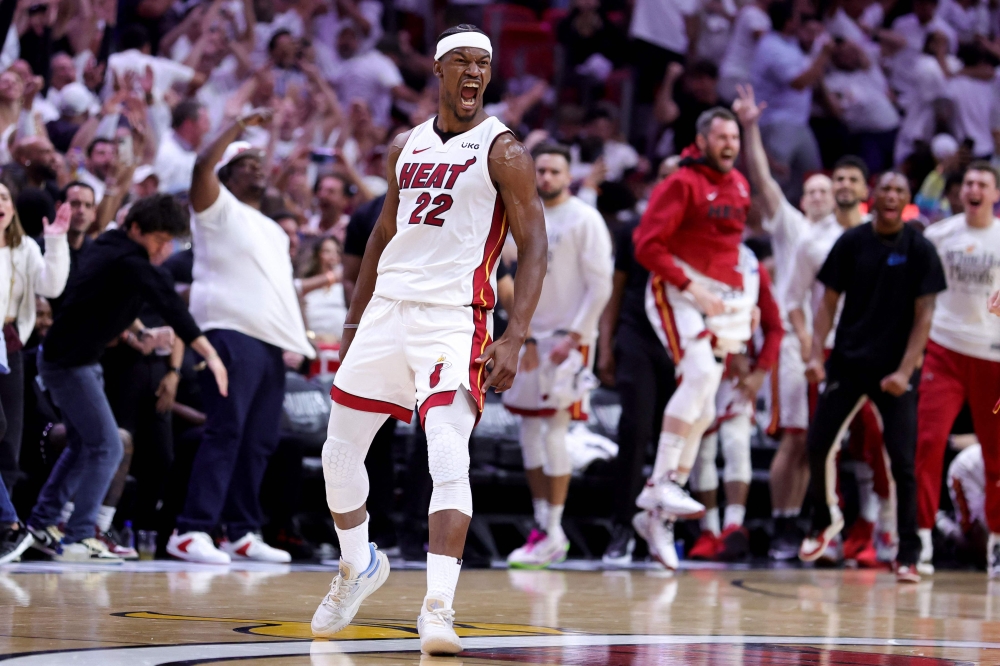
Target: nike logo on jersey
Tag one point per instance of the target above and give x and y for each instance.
(430, 175)
(896, 259)
(421, 150)
(712, 195)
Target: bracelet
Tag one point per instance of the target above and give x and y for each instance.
(350, 326)
(530, 341)
(176, 371)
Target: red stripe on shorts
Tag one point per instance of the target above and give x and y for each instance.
(346, 399)
(667, 320)
(435, 400)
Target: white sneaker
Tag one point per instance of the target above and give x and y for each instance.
(669, 498)
(659, 536)
(523, 554)
(925, 563)
(543, 554)
(348, 590)
(196, 547)
(993, 556)
(817, 545)
(436, 628)
(91, 551)
(252, 547)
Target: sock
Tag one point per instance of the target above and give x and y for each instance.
(541, 512)
(554, 526)
(784, 513)
(734, 515)
(105, 515)
(442, 578)
(354, 546)
(67, 511)
(668, 455)
(710, 521)
(680, 477)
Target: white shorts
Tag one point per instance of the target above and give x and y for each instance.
(967, 487)
(790, 402)
(678, 321)
(525, 397)
(408, 354)
(730, 402)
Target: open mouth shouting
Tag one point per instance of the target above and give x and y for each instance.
(469, 93)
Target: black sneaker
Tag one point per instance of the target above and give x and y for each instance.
(13, 542)
(47, 540)
(290, 541)
(622, 545)
(786, 541)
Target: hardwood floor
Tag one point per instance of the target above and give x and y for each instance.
(172, 613)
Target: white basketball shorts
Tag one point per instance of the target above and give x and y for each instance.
(790, 402)
(408, 354)
(525, 396)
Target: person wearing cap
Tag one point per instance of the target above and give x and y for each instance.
(145, 181)
(75, 101)
(244, 298)
(951, 159)
(103, 299)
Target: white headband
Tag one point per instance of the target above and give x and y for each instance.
(460, 40)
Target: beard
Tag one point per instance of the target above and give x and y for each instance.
(550, 194)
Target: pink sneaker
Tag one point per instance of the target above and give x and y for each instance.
(521, 554)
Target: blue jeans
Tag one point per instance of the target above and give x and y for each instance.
(241, 433)
(8, 516)
(93, 451)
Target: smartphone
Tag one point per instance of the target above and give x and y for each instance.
(125, 151)
(323, 156)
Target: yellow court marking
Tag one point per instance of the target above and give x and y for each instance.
(360, 630)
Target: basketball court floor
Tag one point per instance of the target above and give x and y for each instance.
(159, 613)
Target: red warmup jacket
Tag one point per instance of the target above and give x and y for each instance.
(696, 215)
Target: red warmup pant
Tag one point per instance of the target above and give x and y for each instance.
(948, 380)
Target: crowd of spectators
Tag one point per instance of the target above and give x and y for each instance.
(106, 102)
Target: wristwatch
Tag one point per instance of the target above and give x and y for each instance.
(176, 370)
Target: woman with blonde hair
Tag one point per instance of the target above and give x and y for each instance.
(24, 274)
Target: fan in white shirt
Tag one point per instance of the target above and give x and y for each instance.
(178, 150)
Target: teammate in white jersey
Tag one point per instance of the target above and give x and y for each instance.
(418, 329)
(563, 331)
(962, 362)
(789, 390)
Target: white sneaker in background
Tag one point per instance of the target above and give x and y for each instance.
(252, 547)
(90, 551)
(670, 498)
(436, 626)
(196, 547)
(925, 562)
(993, 556)
(659, 536)
(543, 554)
(348, 590)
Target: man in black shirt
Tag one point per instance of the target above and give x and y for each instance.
(103, 299)
(631, 358)
(889, 276)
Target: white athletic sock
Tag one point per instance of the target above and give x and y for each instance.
(710, 521)
(442, 578)
(554, 526)
(735, 513)
(354, 547)
(680, 477)
(668, 455)
(67, 511)
(541, 512)
(784, 513)
(105, 515)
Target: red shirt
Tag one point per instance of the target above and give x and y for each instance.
(770, 325)
(696, 215)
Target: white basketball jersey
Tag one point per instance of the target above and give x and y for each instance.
(451, 223)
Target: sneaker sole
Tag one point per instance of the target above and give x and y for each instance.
(439, 646)
(531, 566)
(680, 515)
(379, 581)
(15, 554)
(828, 534)
(92, 560)
(187, 557)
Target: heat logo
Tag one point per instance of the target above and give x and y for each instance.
(440, 365)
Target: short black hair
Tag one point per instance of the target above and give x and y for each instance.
(704, 122)
(986, 167)
(761, 247)
(852, 162)
(284, 214)
(278, 34)
(705, 68)
(551, 149)
(458, 29)
(186, 110)
(158, 212)
(134, 37)
(343, 179)
(96, 142)
(64, 192)
(780, 13)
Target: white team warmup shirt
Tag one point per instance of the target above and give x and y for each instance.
(430, 316)
(786, 228)
(576, 288)
(971, 260)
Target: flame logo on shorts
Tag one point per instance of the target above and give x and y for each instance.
(440, 365)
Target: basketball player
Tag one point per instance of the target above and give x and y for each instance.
(789, 391)
(889, 276)
(963, 355)
(574, 293)
(418, 329)
(689, 239)
(735, 405)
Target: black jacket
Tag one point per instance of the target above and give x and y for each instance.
(105, 296)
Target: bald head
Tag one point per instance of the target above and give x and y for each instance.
(817, 197)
